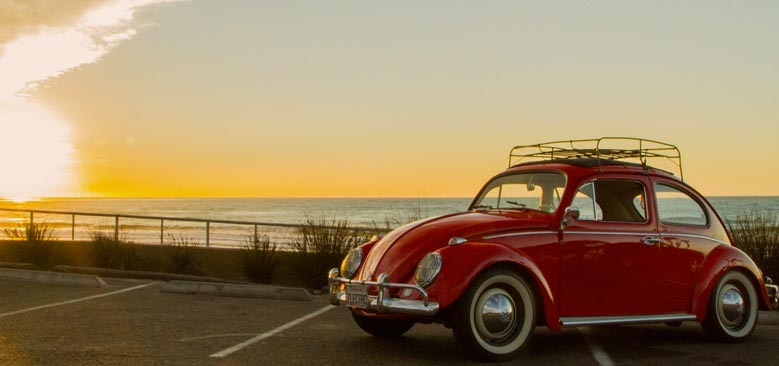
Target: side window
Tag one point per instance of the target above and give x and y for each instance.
(639, 204)
(674, 206)
(611, 200)
(585, 202)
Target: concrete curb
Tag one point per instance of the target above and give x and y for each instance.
(54, 278)
(159, 276)
(16, 265)
(234, 290)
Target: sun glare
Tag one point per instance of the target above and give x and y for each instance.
(35, 151)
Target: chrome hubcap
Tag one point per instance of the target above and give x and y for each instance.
(733, 308)
(496, 316)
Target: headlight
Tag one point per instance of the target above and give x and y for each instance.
(428, 269)
(351, 263)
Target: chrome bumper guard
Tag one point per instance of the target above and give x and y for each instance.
(383, 303)
(773, 295)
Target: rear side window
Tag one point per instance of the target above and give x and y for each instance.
(611, 200)
(675, 206)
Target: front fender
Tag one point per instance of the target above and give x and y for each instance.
(366, 250)
(722, 259)
(461, 264)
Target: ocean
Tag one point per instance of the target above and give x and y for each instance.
(360, 212)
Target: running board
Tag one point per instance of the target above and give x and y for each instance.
(578, 321)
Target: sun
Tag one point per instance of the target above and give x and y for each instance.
(36, 155)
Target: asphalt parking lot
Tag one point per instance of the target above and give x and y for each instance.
(131, 323)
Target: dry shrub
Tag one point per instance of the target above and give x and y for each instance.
(111, 252)
(756, 232)
(182, 256)
(37, 240)
(320, 245)
(259, 259)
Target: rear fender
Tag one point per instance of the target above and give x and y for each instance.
(722, 259)
(461, 264)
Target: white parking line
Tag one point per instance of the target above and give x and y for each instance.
(193, 339)
(262, 336)
(598, 353)
(75, 300)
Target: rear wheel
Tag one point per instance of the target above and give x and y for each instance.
(383, 328)
(495, 318)
(732, 311)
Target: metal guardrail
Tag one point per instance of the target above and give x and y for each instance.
(162, 220)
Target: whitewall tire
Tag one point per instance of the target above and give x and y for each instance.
(732, 312)
(496, 316)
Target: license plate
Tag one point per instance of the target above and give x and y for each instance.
(357, 296)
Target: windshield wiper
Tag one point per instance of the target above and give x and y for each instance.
(522, 205)
(482, 207)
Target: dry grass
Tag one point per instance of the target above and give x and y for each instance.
(37, 239)
(320, 245)
(182, 256)
(117, 253)
(258, 259)
(756, 232)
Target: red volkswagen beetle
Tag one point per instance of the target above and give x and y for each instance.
(573, 233)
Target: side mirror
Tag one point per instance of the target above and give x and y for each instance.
(571, 213)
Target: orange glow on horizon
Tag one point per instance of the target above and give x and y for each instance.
(175, 98)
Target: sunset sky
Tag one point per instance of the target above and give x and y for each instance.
(149, 98)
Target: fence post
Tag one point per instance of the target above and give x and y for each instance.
(255, 234)
(73, 227)
(162, 231)
(208, 233)
(116, 228)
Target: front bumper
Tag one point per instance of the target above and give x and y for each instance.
(383, 303)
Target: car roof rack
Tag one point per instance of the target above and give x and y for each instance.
(604, 149)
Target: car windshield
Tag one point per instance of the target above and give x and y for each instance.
(534, 191)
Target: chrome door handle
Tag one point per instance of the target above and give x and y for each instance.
(650, 240)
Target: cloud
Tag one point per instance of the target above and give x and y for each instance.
(42, 39)
(18, 17)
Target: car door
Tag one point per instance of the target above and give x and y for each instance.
(610, 256)
(689, 230)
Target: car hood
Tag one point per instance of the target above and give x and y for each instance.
(399, 252)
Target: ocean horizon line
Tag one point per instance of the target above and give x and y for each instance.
(5, 199)
(33, 199)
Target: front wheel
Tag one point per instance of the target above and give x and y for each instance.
(495, 318)
(732, 312)
(383, 328)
